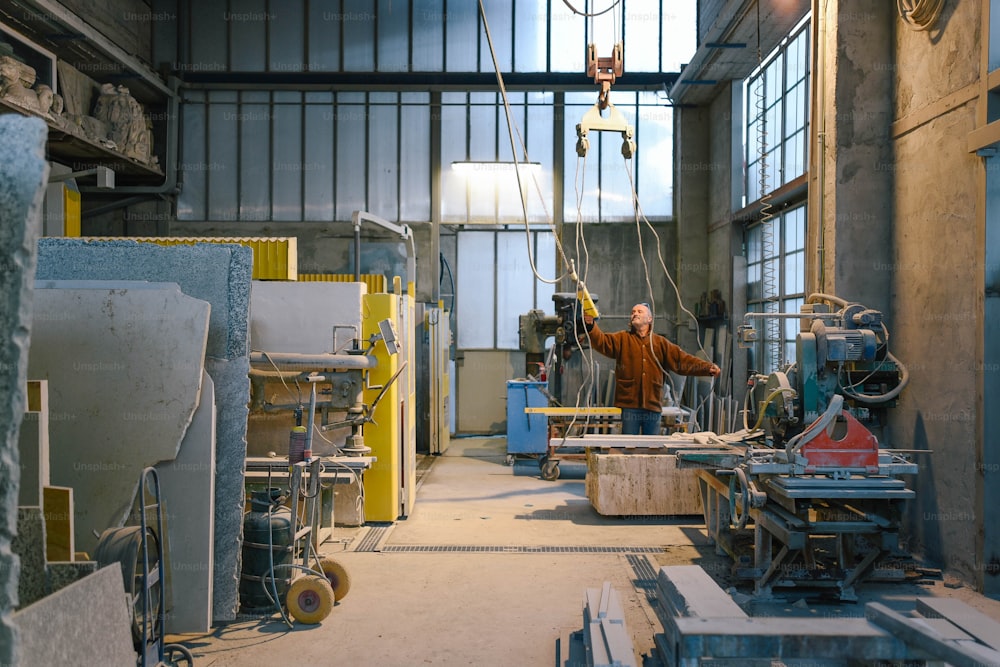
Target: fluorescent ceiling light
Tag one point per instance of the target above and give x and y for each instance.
(473, 166)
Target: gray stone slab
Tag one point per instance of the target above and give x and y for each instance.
(85, 623)
(187, 489)
(29, 545)
(304, 317)
(62, 574)
(217, 273)
(23, 174)
(232, 394)
(221, 275)
(126, 366)
(687, 590)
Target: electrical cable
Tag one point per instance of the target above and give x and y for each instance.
(591, 14)
(919, 14)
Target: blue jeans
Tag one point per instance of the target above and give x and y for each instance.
(636, 421)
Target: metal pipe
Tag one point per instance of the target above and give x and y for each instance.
(294, 361)
(357, 250)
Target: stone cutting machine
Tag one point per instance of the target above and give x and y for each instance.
(809, 478)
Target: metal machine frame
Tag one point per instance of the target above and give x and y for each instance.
(814, 481)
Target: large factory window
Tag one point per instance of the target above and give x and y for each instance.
(489, 303)
(777, 116)
(775, 253)
(258, 155)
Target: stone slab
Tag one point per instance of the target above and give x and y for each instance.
(221, 275)
(301, 316)
(91, 620)
(217, 273)
(687, 590)
(187, 490)
(61, 575)
(622, 484)
(232, 394)
(23, 175)
(33, 444)
(29, 545)
(126, 365)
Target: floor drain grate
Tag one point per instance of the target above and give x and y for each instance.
(507, 549)
(374, 536)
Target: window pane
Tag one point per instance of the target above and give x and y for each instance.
(193, 166)
(545, 262)
(414, 152)
(679, 33)
(462, 36)
(318, 167)
(288, 162)
(515, 280)
(324, 35)
(383, 158)
(568, 52)
(655, 175)
(351, 156)
(393, 36)
(285, 28)
(222, 133)
(642, 28)
(255, 160)
(428, 23)
(531, 42)
(358, 24)
(474, 301)
(499, 16)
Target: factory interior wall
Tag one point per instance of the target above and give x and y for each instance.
(937, 292)
(902, 233)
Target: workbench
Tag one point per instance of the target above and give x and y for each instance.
(338, 500)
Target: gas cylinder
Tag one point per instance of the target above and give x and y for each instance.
(267, 533)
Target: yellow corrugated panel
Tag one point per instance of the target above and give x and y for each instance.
(71, 209)
(375, 281)
(274, 258)
(382, 481)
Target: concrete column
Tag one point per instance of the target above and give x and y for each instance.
(692, 191)
(855, 69)
(23, 174)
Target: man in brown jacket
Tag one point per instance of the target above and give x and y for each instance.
(642, 359)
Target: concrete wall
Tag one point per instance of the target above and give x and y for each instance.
(935, 272)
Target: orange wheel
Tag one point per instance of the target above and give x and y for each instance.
(337, 575)
(309, 599)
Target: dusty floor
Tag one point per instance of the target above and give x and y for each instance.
(461, 581)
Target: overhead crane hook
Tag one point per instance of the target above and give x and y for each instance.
(605, 71)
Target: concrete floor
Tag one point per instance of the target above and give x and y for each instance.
(410, 606)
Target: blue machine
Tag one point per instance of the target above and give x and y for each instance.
(526, 433)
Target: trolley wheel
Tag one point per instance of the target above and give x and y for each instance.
(509, 460)
(550, 471)
(309, 599)
(177, 655)
(336, 574)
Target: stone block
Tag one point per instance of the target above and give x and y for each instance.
(61, 575)
(620, 484)
(85, 623)
(23, 174)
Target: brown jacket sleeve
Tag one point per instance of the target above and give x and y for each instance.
(673, 358)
